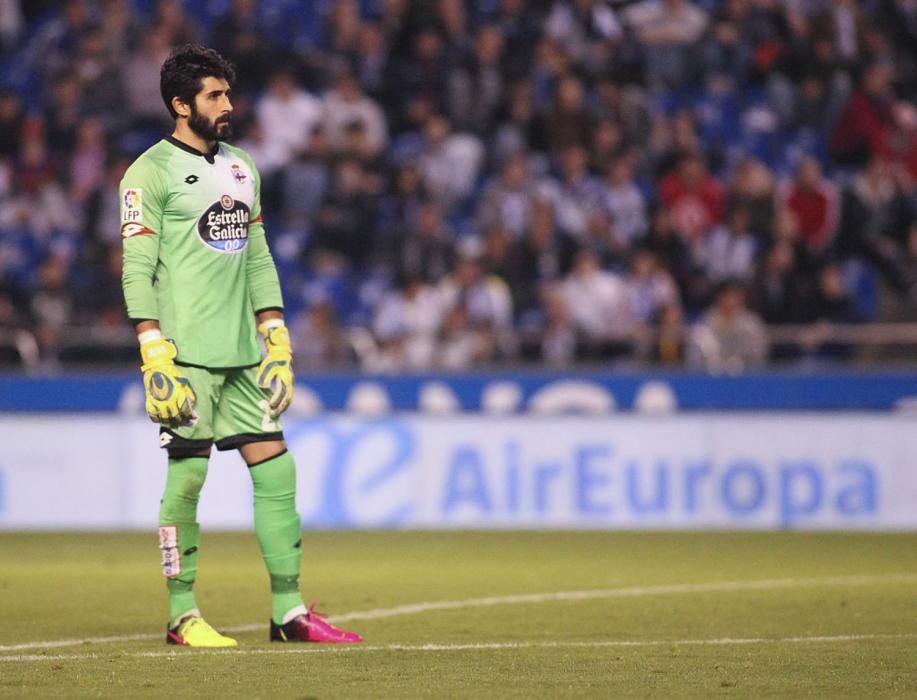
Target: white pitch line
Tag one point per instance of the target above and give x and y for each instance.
(417, 608)
(482, 646)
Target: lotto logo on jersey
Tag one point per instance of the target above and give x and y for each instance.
(131, 205)
(224, 226)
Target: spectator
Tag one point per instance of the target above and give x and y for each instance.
(320, 341)
(141, 81)
(619, 196)
(875, 219)
(669, 31)
(728, 253)
(600, 304)
(484, 300)
(568, 122)
(651, 287)
(541, 256)
(729, 337)
(573, 194)
(426, 252)
(476, 84)
(587, 29)
(449, 162)
(406, 324)
(345, 218)
(668, 340)
(506, 201)
(346, 104)
(815, 203)
(694, 197)
(752, 189)
(241, 37)
(306, 180)
(51, 307)
(178, 24)
(780, 292)
(287, 115)
(558, 344)
(867, 117)
(12, 123)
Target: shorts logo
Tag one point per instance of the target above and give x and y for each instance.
(131, 205)
(224, 225)
(237, 173)
(168, 545)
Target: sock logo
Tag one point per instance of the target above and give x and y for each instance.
(168, 545)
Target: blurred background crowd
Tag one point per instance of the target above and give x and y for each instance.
(455, 183)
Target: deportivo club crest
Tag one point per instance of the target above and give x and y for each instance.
(237, 173)
(224, 226)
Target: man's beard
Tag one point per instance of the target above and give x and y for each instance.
(218, 130)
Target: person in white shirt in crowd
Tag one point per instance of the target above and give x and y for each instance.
(346, 104)
(507, 198)
(449, 162)
(287, 115)
(729, 337)
(405, 324)
(729, 251)
(485, 298)
(599, 301)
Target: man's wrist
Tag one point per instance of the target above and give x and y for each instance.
(148, 335)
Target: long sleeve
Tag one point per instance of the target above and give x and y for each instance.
(140, 256)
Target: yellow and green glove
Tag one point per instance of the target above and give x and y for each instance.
(276, 371)
(169, 396)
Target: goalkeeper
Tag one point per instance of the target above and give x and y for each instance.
(200, 285)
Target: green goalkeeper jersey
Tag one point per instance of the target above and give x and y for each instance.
(195, 253)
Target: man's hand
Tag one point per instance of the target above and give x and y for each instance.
(169, 396)
(276, 371)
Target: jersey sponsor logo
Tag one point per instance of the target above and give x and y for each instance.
(128, 230)
(224, 226)
(237, 173)
(131, 205)
(191, 179)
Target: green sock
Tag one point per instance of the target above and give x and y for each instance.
(278, 529)
(180, 533)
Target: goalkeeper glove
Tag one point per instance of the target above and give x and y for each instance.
(169, 396)
(276, 371)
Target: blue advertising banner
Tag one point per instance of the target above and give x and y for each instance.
(509, 392)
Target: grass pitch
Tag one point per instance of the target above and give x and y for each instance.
(510, 615)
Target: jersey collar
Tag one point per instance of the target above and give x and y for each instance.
(209, 157)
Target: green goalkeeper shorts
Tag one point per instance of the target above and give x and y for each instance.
(232, 410)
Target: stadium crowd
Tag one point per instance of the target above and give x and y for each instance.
(450, 183)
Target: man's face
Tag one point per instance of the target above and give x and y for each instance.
(211, 111)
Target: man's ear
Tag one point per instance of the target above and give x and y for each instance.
(181, 109)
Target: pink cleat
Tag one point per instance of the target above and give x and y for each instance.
(311, 627)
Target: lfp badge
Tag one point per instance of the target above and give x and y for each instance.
(133, 205)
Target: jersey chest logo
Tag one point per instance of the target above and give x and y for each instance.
(224, 225)
(238, 175)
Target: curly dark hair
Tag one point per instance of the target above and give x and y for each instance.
(183, 73)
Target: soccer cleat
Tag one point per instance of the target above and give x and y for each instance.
(195, 632)
(310, 627)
